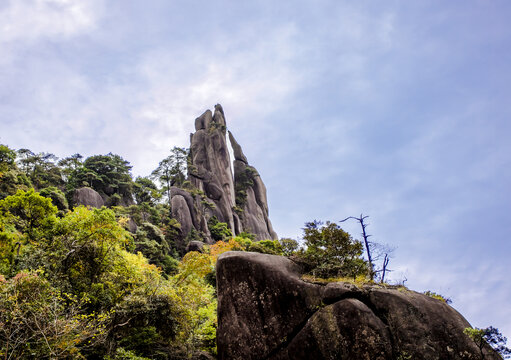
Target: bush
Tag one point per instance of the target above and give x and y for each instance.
(331, 252)
(438, 297)
(219, 230)
(289, 246)
(272, 247)
(39, 320)
(57, 197)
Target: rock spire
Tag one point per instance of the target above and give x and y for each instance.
(236, 198)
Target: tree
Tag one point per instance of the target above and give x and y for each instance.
(374, 251)
(171, 170)
(289, 246)
(145, 191)
(40, 322)
(41, 168)
(70, 164)
(29, 212)
(489, 336)
(7, 159)
(107, 174)
(331, 252)
(57, 197)
(11, 178)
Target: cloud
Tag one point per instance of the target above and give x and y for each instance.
(31, 20)
(357, 108)
(143, 108)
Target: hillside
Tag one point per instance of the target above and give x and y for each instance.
(95, 264)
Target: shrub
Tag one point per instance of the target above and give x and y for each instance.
(219, 230)
(438, 297)
(331, 252)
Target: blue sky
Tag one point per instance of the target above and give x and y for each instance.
(397, 109)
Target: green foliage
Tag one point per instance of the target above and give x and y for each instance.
(29, 213)
(171, 170)
(7, 158)
(289, 246)
(79, 253)
(69, 165)
(243, 242)
(331, 252)
(247, 235)
(151, 242)
(41, 168)
(108, 174)
(122, 354)
(83, 255)
(43, 323)
(438, 297)
(57, 197)
(110, 302)
(219, 230)
(13, 180)
(490, 336)
(272, 247)
(403, 355)
(145, 191)
(213, 126)
(243, 180)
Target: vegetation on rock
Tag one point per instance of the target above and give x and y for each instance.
(116, 282)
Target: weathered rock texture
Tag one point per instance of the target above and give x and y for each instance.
(250, 195)
(88, 197)
(237, 199)
(265, 311)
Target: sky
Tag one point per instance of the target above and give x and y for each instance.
(394, 109)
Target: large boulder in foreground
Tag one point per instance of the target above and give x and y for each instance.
(265, 311)
(87, 197)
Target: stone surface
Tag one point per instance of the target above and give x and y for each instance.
(265, 311)
(254, 217)
(195, 246)
(88, 197)
(181, 212)
(236, 149)
(211, 166)
(211, 172)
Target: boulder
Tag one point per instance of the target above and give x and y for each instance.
(189, 202)
(87, 197)
(181, 213)
(265, 311)
(195, 246)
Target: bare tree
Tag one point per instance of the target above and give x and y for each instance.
(375, 251)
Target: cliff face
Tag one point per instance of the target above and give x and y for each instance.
(237, 199)
(250, 195)
(265, 311)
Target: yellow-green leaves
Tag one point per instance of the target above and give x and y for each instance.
(29, 212)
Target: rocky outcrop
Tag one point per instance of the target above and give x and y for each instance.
(87, 197)
(237, 199)
(265, 311)
(195, 246)
(210, 169)
(250, 195)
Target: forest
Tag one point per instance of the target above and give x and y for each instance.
(107, 282)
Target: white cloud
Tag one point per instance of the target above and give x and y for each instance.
(29, 20)
(143, 109)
